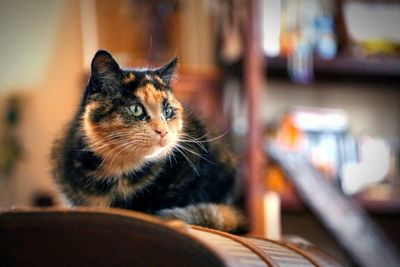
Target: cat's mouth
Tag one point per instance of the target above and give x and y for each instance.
(160, 148)
(159, 151)
(163, 142)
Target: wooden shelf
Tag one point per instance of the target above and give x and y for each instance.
(387, 206)
(292, 202)
(348, 68)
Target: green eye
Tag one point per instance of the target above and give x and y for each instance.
(137, 110)
(168, 112)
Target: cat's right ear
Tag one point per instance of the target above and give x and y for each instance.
(167, 72)
(104, 64)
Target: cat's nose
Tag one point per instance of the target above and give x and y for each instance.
(161, 132)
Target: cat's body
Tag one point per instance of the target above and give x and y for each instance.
(133, 145)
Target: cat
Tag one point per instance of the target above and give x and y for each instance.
(133, 145)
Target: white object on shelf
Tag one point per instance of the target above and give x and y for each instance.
(373, 167)
(272, 215)
(320, 119)
(271, 26)
(366, 21)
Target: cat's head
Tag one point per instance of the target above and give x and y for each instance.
(131, 113)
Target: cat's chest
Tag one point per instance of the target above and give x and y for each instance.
(124, 187)
(120, 192)
(117, 189)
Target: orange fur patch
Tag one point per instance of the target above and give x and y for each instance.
(129, 78)
(97, 201)
(97, 137)
(150, 95)
(231, 217)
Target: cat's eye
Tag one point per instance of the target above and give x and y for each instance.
(168, 112)
(136, 110)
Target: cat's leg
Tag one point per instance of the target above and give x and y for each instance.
(217, 216)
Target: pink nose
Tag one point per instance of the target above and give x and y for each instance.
(161, 132)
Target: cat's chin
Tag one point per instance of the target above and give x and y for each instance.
(159, 152)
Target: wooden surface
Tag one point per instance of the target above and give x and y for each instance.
(114, 237)
(88, 237)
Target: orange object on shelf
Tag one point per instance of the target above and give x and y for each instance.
(288, 135)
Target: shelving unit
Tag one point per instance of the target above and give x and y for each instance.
(386, 70)
(349, 69)
(343, 68)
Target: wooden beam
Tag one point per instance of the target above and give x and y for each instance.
(254, 83)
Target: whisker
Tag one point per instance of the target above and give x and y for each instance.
(173, 155)
(208, 140)
(188, 160)
(103, 142)
(169, 159)
(118, 150)
(194, 153)
(193, 140)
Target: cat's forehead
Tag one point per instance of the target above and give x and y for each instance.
(148, 93)
(147, 86)
(140, 78)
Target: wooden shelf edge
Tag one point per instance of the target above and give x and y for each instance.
(343, 66)
(294, 203)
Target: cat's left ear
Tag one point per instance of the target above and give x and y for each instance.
(103, 63)
(168, 71)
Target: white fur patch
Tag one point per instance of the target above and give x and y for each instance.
(156, 153)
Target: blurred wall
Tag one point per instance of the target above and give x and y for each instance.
(27, 38)
(48, 103)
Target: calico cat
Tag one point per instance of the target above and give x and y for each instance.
(133, 145)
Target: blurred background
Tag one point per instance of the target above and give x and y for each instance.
(317, 77)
